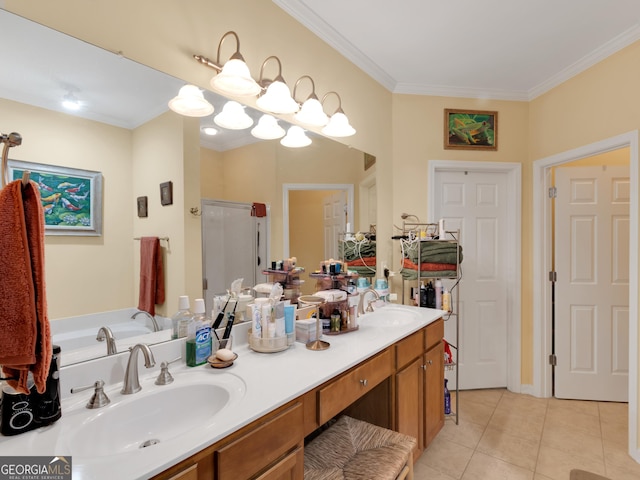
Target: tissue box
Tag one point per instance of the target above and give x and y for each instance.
(306, 330)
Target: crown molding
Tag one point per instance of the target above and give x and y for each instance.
(462, 92)
(614, 45)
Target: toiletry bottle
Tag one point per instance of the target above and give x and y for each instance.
(438, 294)
(198, 336)
(446, 301)
(447, 399)
(180, 320)
(423, 295)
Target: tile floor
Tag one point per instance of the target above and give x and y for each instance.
(502, 435)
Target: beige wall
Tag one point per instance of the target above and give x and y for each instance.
(83, 274)
(403, 131)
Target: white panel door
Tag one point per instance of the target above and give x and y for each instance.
(335, 222)
(475, 203)
(592, 287)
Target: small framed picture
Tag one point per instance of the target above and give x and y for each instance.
(166, 193)
(470, 129)
(142, 207)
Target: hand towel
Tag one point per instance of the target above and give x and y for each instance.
(151, 275)
(258, 210)
(25, 335)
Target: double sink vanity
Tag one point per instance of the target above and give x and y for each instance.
(249, 420)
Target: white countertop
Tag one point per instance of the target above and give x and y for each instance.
(270, 379)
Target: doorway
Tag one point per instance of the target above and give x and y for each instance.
(328, 201)
(542, 305)
(590, 321)
(482, 200)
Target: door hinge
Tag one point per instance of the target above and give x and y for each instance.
(553, 192)
(553, 360)
(205, 284)
(553, 277)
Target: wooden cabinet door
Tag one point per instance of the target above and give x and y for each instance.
(434, 392)
(290, 467)
(410, 401)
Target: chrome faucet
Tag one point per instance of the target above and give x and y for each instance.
(361, 309)
(156, 328)
(131, 380)
(105, 333)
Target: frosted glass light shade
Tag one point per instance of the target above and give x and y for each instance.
(312, 113)
(295, 138)
(277, 99)
(235, 79)
(191, 102)
(338, 126)
(233, 117)
(267, 128)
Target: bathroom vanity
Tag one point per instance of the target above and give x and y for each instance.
(400, 387)
(250, 420)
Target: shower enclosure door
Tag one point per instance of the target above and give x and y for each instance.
(234, 245)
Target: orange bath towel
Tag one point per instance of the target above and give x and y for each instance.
(151, 275)
(25, 336)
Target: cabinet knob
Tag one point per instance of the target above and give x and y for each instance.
(364, 382)
(424, 367)
(430, 362)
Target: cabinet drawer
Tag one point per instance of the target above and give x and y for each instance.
(290, 467)
(189, 473)
(435, 333)
(409, 348)
(260, 447)
(342, 392)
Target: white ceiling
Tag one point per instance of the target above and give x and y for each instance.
(500, 49)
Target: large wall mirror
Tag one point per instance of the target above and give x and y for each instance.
(137, 150)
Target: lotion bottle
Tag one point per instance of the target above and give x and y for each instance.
(439, 294)
(446, 301)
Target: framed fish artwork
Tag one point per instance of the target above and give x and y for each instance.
(71, 198)
(470, 129)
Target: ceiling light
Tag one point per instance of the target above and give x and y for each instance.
(295, 138)
(233, 117)
(70, 102)
(311, 112)
(191, 102)
(234, 78)
(267, 128)
(338, 125)
(277, 98)
(209, 130)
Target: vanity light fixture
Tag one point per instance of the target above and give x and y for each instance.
(295, 138)
(191, 102)
(311, 112)
(234, 77)
(233, 117)
(338, 125)
(267, 128)
(71, 102)
(277, 97)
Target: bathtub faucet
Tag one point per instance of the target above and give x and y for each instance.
(105, 333)
(156, 328)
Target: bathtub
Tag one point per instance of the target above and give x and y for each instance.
(76, 336)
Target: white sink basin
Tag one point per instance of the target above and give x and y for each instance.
(154, 415)
(390, 316)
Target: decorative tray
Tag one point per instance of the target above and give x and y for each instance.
(342, 331)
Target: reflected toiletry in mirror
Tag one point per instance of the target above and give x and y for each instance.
(135, 152)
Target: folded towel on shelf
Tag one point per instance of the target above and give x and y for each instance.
(429, 267)
(151, 275)
(362, 262)
(25, 335)
(433, 251)
(352, 250)
(409, 274)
